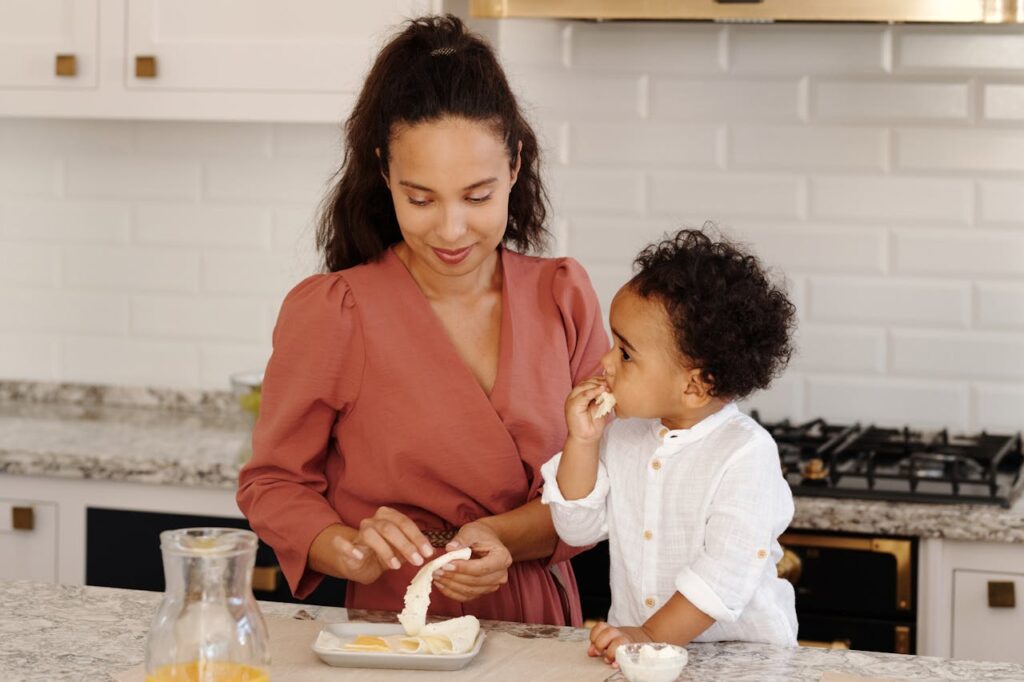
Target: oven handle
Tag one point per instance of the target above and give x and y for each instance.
(899, 549)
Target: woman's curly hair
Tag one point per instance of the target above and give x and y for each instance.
(728, 319)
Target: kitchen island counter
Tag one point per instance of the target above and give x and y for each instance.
(59, 632)
(200, 439)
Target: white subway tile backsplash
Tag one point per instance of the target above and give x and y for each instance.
(131, 269)
(856, 350)
(965, 355)
(1000, 305)
(217, 362)
(645, 47)
(968, 150)
(953, 48)
(817, 248)
(998, 407)
(191, 317)
(41, 137)
(786, 48)
(889, 301)
(803, 147)
(202, 139)
(597, 190)
(280, 180)
(1003, 101)
(254, 274)
(29, 265)
(646, 145)
(531, 42)
(888, 198)
(723, 196)
(131, 362)
(782, 400)
(28, 175)
(761, 100)
(583, 96)
(987, 253)
(108, 177)
(40, 312)
(308, 141)
(886, 401)
(237, 227)
(1001, 201)
(890, 100)
(594, 240)
(24, 356)
(607, 280)
(68, 222)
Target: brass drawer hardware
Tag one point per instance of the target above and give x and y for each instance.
(1001, 595)
(264, 578)
(902, 639)
(789, 567)
(23, 518)
(145, 66)
(66, 65)
(834, 644)
(899, 549)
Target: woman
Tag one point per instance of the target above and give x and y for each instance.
(415, 391)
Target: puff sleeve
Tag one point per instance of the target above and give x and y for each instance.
(312, 378)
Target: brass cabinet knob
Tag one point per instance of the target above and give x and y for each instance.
(264, 578)
(1001, 595)
(23, 518)
(66, 65)
(145, 66)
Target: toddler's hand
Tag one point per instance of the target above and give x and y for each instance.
(582, 425)
(605, 639)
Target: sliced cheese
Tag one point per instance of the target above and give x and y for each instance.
(461, 632)
(367, 643)
(417, 596)
(603, 405)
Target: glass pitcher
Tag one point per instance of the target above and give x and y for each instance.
(208, 627)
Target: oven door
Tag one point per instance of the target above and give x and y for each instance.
(856, 589)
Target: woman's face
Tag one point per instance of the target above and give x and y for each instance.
(450, 182)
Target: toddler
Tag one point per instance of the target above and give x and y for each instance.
(687, 489)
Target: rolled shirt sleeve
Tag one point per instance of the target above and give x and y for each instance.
(750, 508)
(579, 522)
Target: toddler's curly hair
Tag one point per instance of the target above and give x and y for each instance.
(728, 319)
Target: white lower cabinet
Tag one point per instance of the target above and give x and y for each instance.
(988, 616)
(28, 540)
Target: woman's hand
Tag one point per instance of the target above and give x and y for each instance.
(582, 425)
(393, 538)
(471, 578)
(605, 639)
(333, 552)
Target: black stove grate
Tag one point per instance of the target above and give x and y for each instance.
(820, 459)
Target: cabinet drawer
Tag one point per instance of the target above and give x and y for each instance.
(28, 540)
(33, 35)
(984, 632)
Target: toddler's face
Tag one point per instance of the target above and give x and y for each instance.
(643, 368)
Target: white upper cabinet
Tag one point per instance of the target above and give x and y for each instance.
(48, 43)
(271, 60)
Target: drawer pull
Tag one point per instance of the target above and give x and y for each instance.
(145, 66)
(23, 518)
(264, 578)
(1001, 595)
(66, 65)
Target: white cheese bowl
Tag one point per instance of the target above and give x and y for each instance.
(657, 662)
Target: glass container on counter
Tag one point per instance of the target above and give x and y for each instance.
(208, 627)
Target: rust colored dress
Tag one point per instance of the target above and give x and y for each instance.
(366, 403)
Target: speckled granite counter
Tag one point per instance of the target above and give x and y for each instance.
(200, 439)
(58, 632)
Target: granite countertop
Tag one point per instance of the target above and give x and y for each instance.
(61, 632)
(199, 438)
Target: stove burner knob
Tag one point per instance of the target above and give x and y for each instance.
(814, 472)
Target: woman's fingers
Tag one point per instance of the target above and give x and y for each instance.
(347, 549)
(397, 538)
(372, 539)
(410, 530)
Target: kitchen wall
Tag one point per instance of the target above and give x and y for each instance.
(880, 170)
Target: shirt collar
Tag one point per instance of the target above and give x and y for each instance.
(695, 432)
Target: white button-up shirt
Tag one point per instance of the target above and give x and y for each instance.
(698, 511)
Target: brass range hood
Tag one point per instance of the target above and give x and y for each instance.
(761, 11)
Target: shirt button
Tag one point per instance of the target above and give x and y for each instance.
(656, 464)
(663, 432)
(650, 602)
(648, 535)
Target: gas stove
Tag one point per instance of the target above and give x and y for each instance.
(821, 459)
